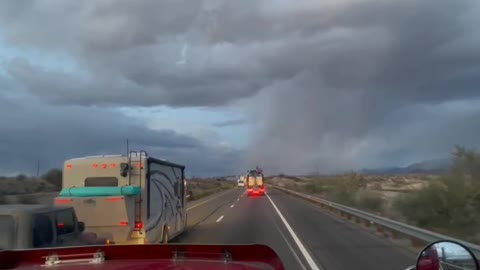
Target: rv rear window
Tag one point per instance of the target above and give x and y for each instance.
(101, 182)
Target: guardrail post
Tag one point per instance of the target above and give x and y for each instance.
(395, 234)
(417, 242)
(367, 223)
(380, 228)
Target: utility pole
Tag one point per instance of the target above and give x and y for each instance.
(38, 168)
(127, 149)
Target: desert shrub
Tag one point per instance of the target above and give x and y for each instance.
(369, 201)
(343, 192)
(54, 177)
(27, 199)
(3, 199)
(21, 177)
(450, 205)
(313, 187)
(203, 188)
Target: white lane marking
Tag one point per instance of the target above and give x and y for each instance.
(191, 207)
(231, 206)
(302, 248)
(219, 219)
(290, 247)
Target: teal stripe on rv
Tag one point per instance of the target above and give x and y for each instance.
(100, 191)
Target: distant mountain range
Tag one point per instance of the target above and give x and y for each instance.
(428, 166)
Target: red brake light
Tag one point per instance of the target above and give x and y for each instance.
(115, 199)
(123, 223)
(61, 225)
(139, 165)
(69, 166)
(95, 165)
(104, 166)
(63, 200)
(138, 225)
(113, 165)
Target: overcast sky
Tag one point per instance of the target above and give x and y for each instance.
(294, 86)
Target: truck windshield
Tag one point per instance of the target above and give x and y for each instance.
(7, 237)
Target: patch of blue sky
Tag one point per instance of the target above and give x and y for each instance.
(48, 60)
(197, 122)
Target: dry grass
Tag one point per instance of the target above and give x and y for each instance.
(202, 188)
(447, 203)
(372, 193)
(26, 190)
(12, 186)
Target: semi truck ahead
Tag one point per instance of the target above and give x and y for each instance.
(255, 184)
(134, 199)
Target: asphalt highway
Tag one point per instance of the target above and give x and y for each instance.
(302, 234)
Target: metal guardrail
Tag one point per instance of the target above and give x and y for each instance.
(417, 235)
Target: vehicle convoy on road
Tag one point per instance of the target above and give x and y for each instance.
(255, 183)
(24, 226)
(134, 199)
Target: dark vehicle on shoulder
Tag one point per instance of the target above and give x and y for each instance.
(40, 226)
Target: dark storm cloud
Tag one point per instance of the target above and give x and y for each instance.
(230, 50)
(33, 132)
(325, 76)
(143, 53)
(208, 161)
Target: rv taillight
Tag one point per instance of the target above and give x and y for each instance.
(63, 200)
(68, 166)
(104, 166)
(113, 165)
(123, 223)
(138, 225)
(115, 199)
(95, 165)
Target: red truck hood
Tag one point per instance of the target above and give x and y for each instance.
(123, 257)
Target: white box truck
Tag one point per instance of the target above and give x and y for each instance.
(241, 181)
(134, 199)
